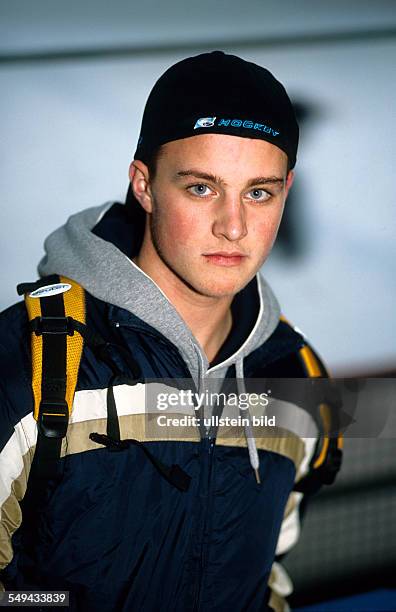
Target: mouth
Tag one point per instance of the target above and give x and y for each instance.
(224, 258)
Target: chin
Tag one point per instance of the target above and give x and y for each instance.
(218, 290)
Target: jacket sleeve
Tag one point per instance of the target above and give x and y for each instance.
(279, 582)
(16, 454)
(307, 364)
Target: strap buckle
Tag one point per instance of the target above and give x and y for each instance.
(53, 418)
(331, 466)
(325, 474)
(52, 325)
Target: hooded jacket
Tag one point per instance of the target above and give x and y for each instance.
(111, 529)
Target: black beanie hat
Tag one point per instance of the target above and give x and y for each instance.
(220, 94)
(215, 93)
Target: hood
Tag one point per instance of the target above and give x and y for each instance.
(95, 248)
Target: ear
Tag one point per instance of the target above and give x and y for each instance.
(289, 181)
(139, 177)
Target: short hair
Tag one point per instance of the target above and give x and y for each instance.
(152, 161)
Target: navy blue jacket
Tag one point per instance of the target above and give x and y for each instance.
(111, 528)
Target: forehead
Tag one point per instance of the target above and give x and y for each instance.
(223, 154)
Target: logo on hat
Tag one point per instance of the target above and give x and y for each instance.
(204, 122)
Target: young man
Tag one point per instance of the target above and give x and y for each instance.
(96, 501)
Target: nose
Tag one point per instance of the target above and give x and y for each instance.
(230, 221)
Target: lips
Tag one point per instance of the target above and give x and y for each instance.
(225, 258)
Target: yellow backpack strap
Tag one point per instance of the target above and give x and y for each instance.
(328, 457)
(327, 460)
(55, 307)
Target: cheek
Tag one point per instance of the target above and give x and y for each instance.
(183, 227)
(265, 230)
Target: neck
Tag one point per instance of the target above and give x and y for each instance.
(209, 318)
(209, 322)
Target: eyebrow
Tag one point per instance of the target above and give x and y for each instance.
(264, 180)
(258, 180)
(202, 175)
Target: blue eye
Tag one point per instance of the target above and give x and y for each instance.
(199, 190)
(259, 195)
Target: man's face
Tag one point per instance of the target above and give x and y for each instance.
(214, 207)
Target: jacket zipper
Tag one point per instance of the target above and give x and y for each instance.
(208, 448)
(208, 444)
